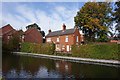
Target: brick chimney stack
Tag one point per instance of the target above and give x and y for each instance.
(64, 27)
(49, 30)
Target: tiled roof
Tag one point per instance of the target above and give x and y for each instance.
(6, 29)
(61, 32)
(19, 32)
(29, 30)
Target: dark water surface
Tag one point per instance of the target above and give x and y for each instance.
(16, 66)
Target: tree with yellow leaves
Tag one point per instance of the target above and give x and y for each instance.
(93, 19)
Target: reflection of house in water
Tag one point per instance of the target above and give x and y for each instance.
(63, 67)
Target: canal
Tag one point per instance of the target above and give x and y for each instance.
(16, 66)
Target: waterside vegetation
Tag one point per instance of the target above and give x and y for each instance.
(45, 48)
(96, 51)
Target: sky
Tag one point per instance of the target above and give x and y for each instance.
(48, 15)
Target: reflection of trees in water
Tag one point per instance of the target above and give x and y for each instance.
(10, 62)
(63, 67)
(33, 64)
(30, 66)
(92, 71)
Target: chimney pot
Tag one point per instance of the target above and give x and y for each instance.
(49, 30)
(64, 27)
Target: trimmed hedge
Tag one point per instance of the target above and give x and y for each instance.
(98, 51)
(45, 48)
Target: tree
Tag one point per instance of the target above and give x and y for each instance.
(13, 44)
(43, 33)
(33, 25)
(93, 18)
(116, 15)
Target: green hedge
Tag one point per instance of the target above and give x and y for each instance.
(45, 48)
(98, 51)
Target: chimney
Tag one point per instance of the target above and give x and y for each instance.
(64, 27)
(49, 30)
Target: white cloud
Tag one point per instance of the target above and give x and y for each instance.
(14, 21)
(26, 12)
(27, 15)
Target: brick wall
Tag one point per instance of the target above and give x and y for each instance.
(33, 36)
(62, 44)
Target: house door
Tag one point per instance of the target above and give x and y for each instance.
(67, 47)
(57, 47)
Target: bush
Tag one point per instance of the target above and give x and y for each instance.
(12, 45)
(45, 48)
(99, 51)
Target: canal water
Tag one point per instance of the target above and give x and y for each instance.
(16, 66)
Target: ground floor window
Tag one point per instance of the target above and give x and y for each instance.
(57, 47)
(67, 47)
(63, 47)
(48, 39)
(70, 48)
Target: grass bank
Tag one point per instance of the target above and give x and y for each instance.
(97, 51)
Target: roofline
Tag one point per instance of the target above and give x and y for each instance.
(60, 35)
(8, 32)
(7, 25)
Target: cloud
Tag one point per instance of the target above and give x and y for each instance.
(26, 15)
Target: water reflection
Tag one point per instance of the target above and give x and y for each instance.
(63, 67)
(14, 66)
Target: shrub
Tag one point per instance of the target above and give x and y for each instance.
(45, 48)
(101, 51)
(12, 45)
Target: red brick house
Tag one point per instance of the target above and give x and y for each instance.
(32, 35)
(64, 38)
(6, 32)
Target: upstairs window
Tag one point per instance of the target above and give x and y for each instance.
(66, 39)
(23, 36)
(58, 40)
(8, 37)
(77, 39)
(48, 39)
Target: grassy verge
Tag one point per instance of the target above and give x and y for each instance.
(98, 51)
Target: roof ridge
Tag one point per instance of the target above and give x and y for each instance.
(60, 32)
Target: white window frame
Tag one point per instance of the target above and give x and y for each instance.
(58, 39)
(48, 39)
(70, 48)
(77, 39)
(66, 39)
(23, 36)
(8, 37)
(67, 48)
